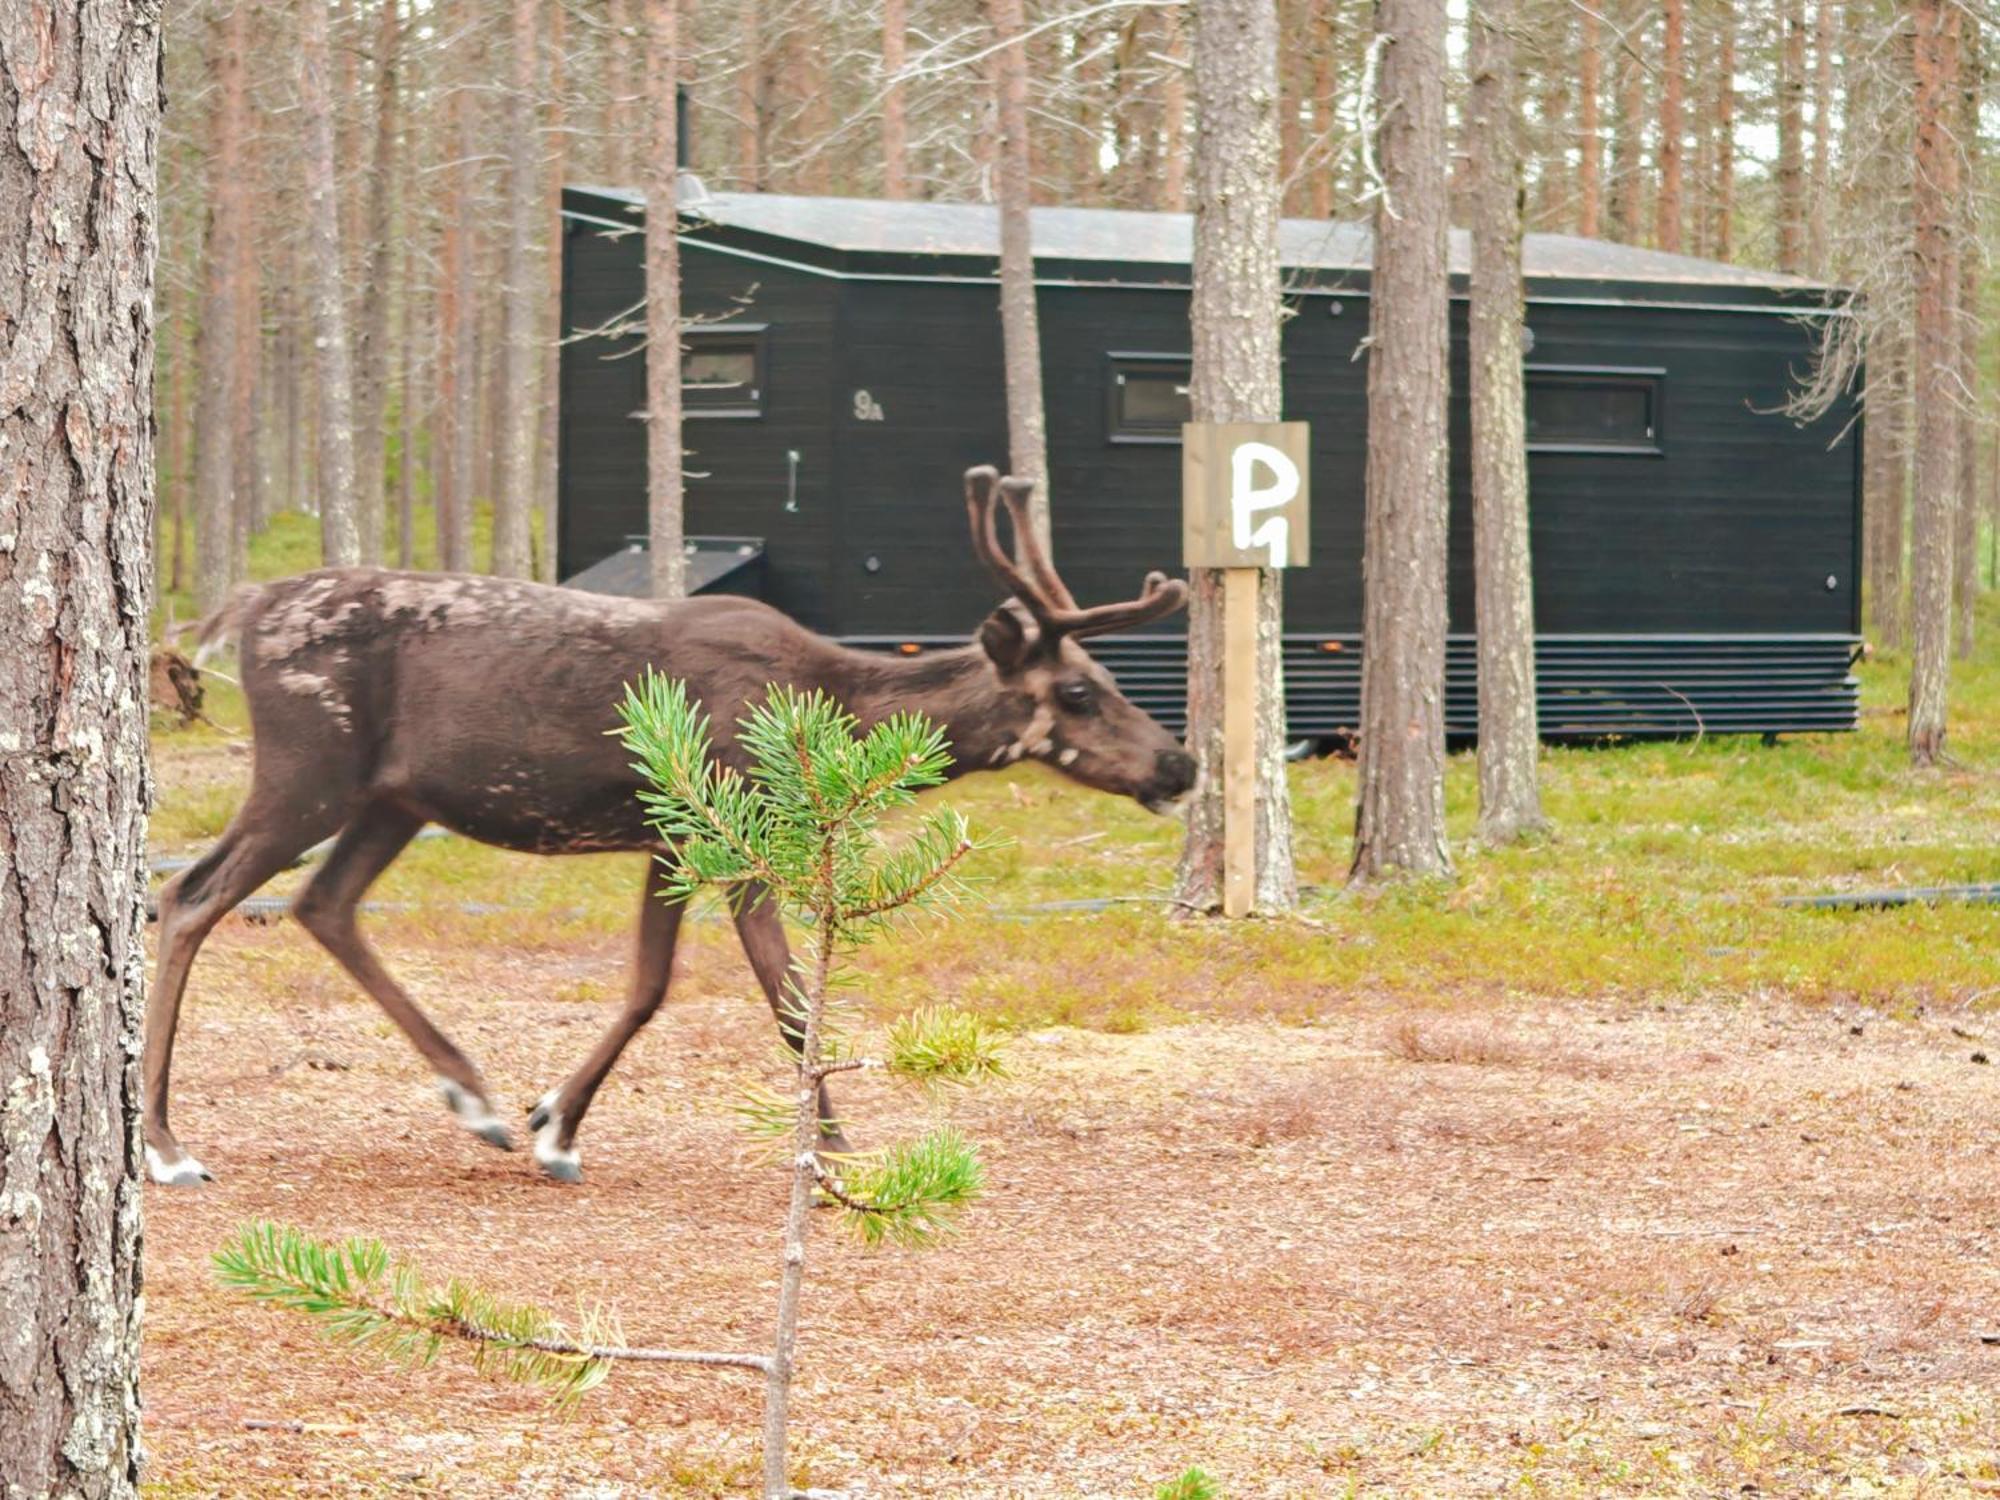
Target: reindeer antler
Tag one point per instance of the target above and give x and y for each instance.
(1033, 578)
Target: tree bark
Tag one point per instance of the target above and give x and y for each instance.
(340, 535)
(1321, 40)
(1673, 87)
(1510, 802)
(1628, 136)
(1236, 317)
(1722, 235)
(1399, 820)
(1590, 127)
(1965, 529)
(460, 391)
(514, 493)
(548, 437)
(1173, 118)
(1791, 139)
(1934, 209)
(663, 307)
(1886, 496)
(215, 338)
(1819, 188)
(1027, 431)
(80, 94)
(751, 101)
(372, 387)
(895, 119)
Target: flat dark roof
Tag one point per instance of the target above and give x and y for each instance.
(866, 233)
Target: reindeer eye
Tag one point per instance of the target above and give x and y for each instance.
(1077, 697)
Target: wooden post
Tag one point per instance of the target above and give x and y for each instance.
(1244, 488)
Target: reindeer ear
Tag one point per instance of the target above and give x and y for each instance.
(1007, 637)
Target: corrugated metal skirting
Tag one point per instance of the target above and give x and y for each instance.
(1589, 686)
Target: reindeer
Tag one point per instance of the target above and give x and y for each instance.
(382, 701)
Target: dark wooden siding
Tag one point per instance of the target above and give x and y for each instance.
(1735, 528)
(738, 469)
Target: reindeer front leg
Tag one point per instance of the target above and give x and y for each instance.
(556, 1118)
(762, 931)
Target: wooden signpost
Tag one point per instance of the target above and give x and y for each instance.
(1244, 493)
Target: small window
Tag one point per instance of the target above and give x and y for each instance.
(722, 371)
(1591, 410)
(1147, 397)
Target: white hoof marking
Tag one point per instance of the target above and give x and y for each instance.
(471, 1111)
(550, 1156)
(186, 1172)
(1068, 757)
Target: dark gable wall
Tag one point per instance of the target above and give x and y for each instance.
(1734, 530)
(737, 468)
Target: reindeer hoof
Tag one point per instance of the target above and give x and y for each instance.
(181, 1171)
(557, 1161)
(476, 1115)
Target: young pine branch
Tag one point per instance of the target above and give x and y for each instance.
(358, 1295)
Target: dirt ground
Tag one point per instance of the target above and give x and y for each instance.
(1725, 1249)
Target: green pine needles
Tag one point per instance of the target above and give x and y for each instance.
(359, 1295)
(804, 822)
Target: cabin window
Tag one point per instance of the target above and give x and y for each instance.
(722, 371)
(1146, 397)
(1574, 409)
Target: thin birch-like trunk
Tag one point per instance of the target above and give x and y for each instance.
(664, 479)
(1236, 318)
(372, 387)
(1722, 236)
(1791, 138)
(1510, 802)
(520, 361)
(340, 533)
(1934, 208)
(547, 438)
(1399, 820)
(1590, 126)
(216, 334)
(1021, 338)
(80, 89)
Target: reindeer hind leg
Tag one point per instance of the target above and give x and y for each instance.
(267, 834)
(326, 908)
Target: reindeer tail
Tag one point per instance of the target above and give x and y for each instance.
(220, 629)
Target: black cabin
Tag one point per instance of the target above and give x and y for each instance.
(1695, 551)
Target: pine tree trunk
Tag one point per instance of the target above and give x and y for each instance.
(461, 354)
(895, 119)
(1886, 501)
(751, 103)
(1934, 210)
(1819, 188)
(1628, 137)
(1027, 431)
(1321, 41)
(372, 366)
(1173, 118)
(80, 91)
(1965, 530)
(1673, 87)
(1399, 822)
(1722, 237)
(340, 535)
(1791, 139)
(663, 307)
(548, 436)
(1590, 127)
(1510, 802)
(1236, 317)
(215, 339)
(514, 491)
(406, 400)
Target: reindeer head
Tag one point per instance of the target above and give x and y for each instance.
(1057, 704)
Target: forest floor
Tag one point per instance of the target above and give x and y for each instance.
(1596, 1172)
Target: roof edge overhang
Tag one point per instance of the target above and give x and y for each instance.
(617, 212)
